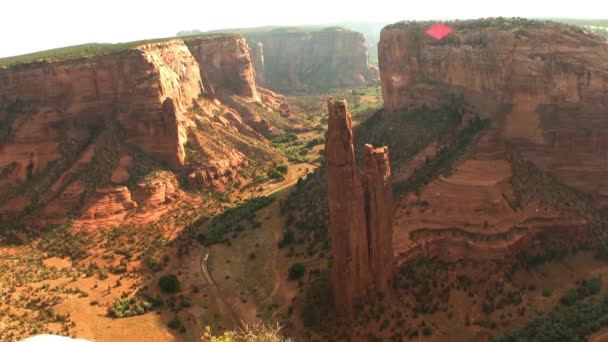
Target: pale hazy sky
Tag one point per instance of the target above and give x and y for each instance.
(33, 25)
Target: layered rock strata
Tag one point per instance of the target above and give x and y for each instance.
(295, 60)
(360, 207)
(71, 128)
(544, 86)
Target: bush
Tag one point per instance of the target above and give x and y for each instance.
(175, 323)
(296, 271)
(288, 238)
(278, 172)
(127, 307)
(586, 288)
(169, 283)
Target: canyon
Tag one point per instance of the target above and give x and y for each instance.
(298, 60)
(180, 157)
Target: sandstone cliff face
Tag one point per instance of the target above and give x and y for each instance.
(72, 128)
(291, 61)
(545, 85)
(360, 208)
(379, 211)
(544, 88)
(225, 65)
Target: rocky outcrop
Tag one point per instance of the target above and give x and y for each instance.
(73, 127)
(107, 207)
(537, 173)
(257, 53)
(296, 60)
(543, 84)
(379, 215)
(360, 206)
(225, 66)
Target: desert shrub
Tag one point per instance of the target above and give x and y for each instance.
(175, 323)
(288, 238)
(296, 271)
(569, 323)
(129, 306)
(169, 283)
(258, 332)
(61, 241)
(278, 172)
(585, 289)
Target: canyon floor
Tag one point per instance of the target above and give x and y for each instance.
(46, 286)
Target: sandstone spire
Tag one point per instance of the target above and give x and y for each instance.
(360, 207)
(350, 272)
(379, 205)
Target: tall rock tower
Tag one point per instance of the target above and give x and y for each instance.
(379, 214)
(360, 214)
(351, 275)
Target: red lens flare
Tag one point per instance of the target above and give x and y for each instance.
(439, 31)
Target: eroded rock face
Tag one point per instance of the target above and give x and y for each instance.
(543, 84)
(226, 65)
(107, 207)
(360, 207)
(67, 120)
(329, 58)
(379, 210)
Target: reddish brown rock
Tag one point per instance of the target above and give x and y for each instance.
(351, 275)
(360, 208)
(121, 173)
(107, 207)
(156, 192)
(75, 116)
(333, 57)
(226, 66)
(543, 85)
(379, 209)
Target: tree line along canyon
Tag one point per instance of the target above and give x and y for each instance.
(274, 185)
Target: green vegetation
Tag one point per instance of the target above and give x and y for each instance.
(228, 221)
(127, 307)
(583, 290)
(500, 22)
(294, 149)
(574, 322)
(62, 242)
(258, 332)
(429, 279)
(169, 283)
(443, 160)
(278, 172)
(296, 271)
(318, 301)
